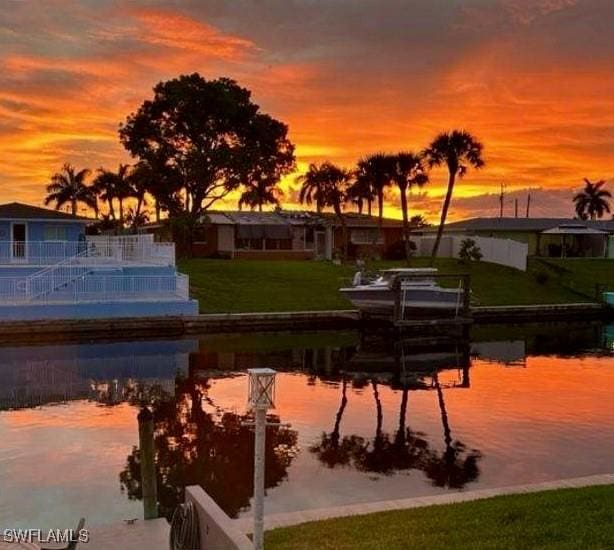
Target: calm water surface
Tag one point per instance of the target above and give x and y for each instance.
(363, 419)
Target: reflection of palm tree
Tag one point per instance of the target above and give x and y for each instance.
(330, 450)
(451, 469)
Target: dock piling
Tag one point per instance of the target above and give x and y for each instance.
(149, 483)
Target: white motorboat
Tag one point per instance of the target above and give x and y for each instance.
(420, 294)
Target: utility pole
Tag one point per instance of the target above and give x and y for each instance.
(515, 208)
(501, 195)
(528, 203)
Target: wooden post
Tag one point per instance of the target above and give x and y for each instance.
(396, 287)
(149, 484)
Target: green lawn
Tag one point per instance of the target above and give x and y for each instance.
(564, 519)
(250, 286)
(582, 275)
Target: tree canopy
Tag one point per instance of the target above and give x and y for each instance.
(211, 136)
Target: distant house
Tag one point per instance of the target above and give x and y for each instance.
(286, 234)
(550, 237)
(50, 269)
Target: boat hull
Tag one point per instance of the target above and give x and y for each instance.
(414, 300)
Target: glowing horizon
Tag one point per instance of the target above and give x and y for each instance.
(526, 78)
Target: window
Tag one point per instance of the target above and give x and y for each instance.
(366, 236)
(55, 233)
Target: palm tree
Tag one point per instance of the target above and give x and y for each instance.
(140, 180)
(260, 192)
(592, 202)
(457, 150)
(326, 184)
(114, 185)
(312, 186)
(69, 186)
(408, 172)
(377, 169)
(361, 192)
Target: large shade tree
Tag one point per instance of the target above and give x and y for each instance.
(593, 201)
(210, 135)
(269, 156)
(457, 151)
(408, 172)
(69, 186)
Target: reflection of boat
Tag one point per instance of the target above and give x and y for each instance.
(419, 292)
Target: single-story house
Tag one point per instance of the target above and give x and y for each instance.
(550, 237)
(287, 234)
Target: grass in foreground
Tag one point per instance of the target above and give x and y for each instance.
(563, 519)
(254, 286)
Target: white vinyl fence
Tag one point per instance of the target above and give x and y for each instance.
(498, 251)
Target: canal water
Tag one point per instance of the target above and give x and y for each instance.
(362, 419)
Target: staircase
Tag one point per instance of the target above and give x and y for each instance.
(49, 280)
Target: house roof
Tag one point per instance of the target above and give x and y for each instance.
(524, 224)
(21, 211)
(295, 217)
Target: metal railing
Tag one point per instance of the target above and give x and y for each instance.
(98, 288)
(106, 249)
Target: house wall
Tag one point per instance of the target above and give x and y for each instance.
(392, 236)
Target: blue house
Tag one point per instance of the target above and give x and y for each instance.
(50, 269)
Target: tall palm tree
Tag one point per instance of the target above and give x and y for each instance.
(377, 169)
(408, 172)
(592, 202)
(259, 192)
(457, 150)
(68, 186)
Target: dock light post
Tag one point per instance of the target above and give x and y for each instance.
(261, 397)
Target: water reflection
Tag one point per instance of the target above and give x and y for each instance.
(410, 366)
(371, 419)
(213, 450)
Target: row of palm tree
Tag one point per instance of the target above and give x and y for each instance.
(330, 186)
(326, 185)
(72, 187)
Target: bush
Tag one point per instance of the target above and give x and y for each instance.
(542, 277)
(469, 251)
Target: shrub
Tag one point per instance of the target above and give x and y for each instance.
(469, 251)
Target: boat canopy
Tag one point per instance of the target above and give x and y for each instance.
(418, 270)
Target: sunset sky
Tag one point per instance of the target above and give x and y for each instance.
(533, 79)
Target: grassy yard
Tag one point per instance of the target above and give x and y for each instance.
(581, 275)
(564, 519)
(249, 286)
